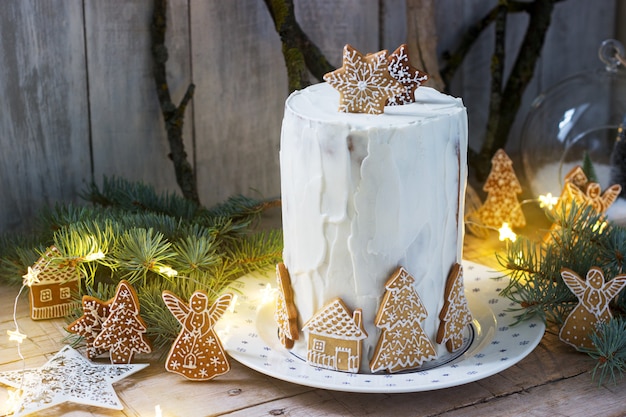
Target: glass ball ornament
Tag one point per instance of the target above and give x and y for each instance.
(579, 115)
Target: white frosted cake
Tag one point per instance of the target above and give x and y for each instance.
(365, 194)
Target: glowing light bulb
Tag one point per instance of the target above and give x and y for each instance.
(167, 271)
(14, 401)
(94, 256)
(507, 233)
(267, 294)
(233, 303)
(31, 277)
(547, 201)
(16, 335)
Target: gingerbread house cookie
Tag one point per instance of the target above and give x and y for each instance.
(335, 337)
(53, 293)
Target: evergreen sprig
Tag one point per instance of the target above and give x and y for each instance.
(580, 239)
(609, 340)
(156, 242)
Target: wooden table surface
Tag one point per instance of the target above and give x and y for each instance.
(553, 380)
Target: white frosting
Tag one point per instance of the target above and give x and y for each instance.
(364, 194)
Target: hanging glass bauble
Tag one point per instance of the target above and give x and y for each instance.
(579, 115)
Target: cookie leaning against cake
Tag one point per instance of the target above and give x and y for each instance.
(369, 238)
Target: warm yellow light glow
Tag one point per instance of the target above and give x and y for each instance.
(507, 233)
(14, 401)
(599, 227)
(157, 411)
(233, 303)
(94, 256)
(167, 271)
(267, 294)
(31, 277)
(548, 201)
(16, 335)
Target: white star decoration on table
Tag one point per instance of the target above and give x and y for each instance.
(67, 377)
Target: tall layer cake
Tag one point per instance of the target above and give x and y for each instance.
(365, 194)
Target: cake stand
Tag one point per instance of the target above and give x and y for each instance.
(493, 344)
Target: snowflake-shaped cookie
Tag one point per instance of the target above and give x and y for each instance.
(364, 82)
(400, 68)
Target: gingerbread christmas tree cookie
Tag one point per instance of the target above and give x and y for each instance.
(455, 314)
(123, 332)
(402, 343)
(364, 82)
(502, 186)
(400, 68)
(197, 353)
(594, 296)
(286, 314)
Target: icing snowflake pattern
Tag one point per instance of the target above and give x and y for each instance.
(89, 325)
(400, 68)
(68, 377)
(364, 82)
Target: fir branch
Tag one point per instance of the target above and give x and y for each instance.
(257, 251)
(534, 268)
(609, 340)
(141, 253)
(139, 197)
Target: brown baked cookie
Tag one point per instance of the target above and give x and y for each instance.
(455, 314)
(335, 337)
(197, 353)
(124, 331)
(403, 344)
(400, 68)
(594, 296)
(286, 314)
(89, 325)
(363, 82)
(53, 291)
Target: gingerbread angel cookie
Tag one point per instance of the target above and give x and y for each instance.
(594, 296)
(197, 353)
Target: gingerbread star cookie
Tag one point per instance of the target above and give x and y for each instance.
(89, 325)
(400, 68)
(364, 82)
(286, 314)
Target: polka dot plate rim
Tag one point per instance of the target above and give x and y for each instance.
(248, 332)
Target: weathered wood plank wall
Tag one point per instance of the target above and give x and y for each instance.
(78, 99)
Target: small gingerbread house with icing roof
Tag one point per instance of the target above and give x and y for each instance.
(335, 338)
(54, 295)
